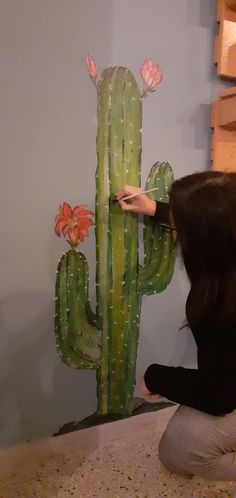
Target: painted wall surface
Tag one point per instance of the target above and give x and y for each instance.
(47, 149)
(179, 36)
(47, 144)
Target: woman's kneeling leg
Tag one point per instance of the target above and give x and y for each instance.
(196, 443)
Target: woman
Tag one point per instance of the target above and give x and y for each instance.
(201, 437)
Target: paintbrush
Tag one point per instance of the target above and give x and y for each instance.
(127, 197)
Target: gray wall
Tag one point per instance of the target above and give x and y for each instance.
(47, 147)
(47, 144)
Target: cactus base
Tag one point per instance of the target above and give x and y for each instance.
(140, 407)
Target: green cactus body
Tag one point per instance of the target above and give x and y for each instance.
(159, 247)
(108, 340)
(78, 340)
(118, 297)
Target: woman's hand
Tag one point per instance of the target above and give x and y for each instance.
(141, 204)
(151, 398)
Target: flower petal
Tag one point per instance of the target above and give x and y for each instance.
(60, 225)
(66, 210)
(85, 223)
(85, 214)
(59, 218)
(91, 66)
(78, 210)
(65, 229)
(73, 234)
(81, 236)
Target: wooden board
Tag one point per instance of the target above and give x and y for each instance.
(223, 123)
(225, 42)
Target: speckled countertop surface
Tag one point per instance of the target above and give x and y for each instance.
(126, 468)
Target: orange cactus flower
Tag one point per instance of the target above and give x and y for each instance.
(73, 224)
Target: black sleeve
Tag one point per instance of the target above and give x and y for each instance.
(207, 391)
(162, 213)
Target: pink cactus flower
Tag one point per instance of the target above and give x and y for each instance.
(151, 74)
(91, 67)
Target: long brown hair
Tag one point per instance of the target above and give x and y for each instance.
(204, 211)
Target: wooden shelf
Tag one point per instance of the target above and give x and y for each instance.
(227, 110)
(225, 41)
(223, 122)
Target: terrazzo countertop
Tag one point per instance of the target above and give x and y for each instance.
(125, 468)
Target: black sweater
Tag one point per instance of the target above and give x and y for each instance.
(210, 388)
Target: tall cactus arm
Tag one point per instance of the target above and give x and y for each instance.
(126, 142)
(119, 151)
(159, 245)
(78, 342)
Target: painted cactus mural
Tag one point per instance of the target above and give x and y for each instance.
(107, 341)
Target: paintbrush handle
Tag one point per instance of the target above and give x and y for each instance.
(139, 193)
